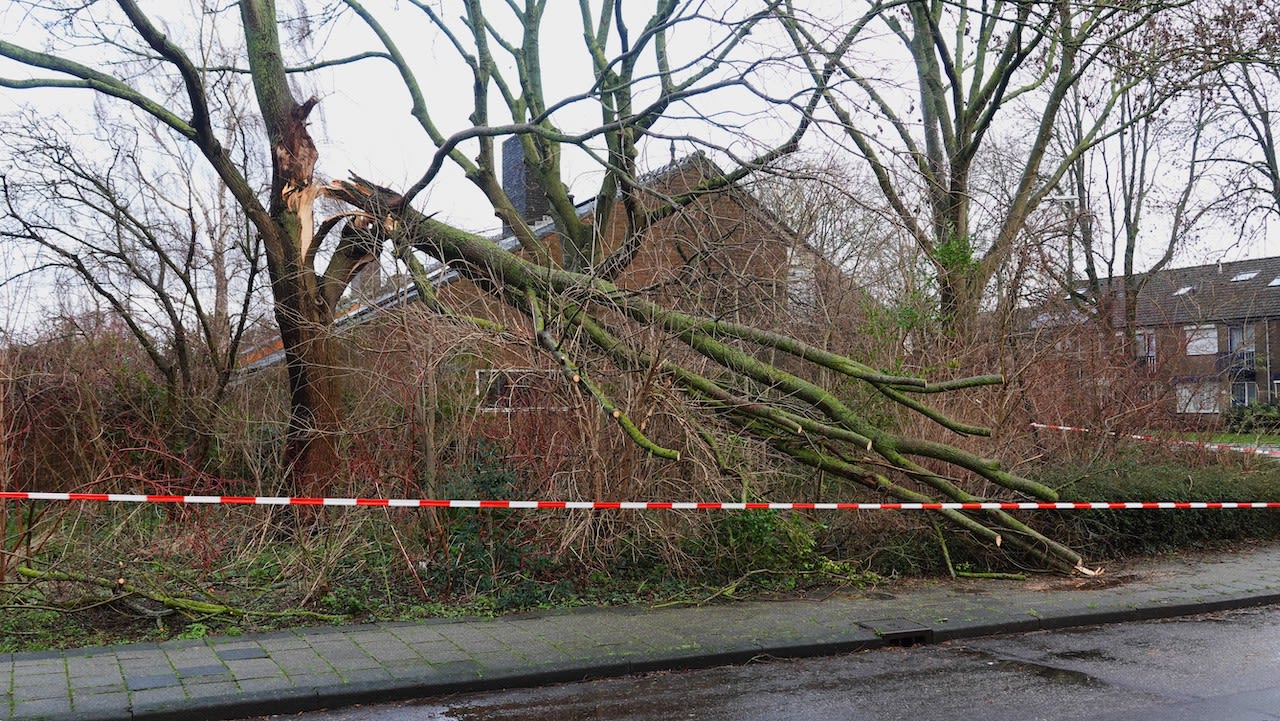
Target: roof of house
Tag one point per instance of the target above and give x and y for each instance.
(358, 311)
(1235, 291)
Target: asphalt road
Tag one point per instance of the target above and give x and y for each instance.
(1210, 668)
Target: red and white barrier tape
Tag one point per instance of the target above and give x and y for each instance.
(1169, 441)
(682, 505)
(639, 505)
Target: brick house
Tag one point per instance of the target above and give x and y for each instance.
(1205, 337)
(721, 254)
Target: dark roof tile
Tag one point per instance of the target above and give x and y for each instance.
(1235, 291)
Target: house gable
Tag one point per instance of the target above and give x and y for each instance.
(719, 253)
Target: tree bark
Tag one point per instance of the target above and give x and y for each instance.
(304, 315)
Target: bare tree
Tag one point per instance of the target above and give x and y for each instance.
(142, 238)
(869, 284)
(1152, 177)
(1239, 43)
(833, 207)
(304, 299)
(978, 71)
(1253, 123)
(1184, 144)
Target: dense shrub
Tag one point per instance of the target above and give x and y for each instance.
(1121, 533)
(1253, 418)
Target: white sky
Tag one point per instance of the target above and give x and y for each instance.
(393, 146)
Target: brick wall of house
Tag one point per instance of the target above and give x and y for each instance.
(714, 256)
(1269, 365)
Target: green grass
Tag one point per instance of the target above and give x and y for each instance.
(1246, 439)
(1240, 439)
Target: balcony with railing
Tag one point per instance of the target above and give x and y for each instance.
(1237, 364)
(1145, 363)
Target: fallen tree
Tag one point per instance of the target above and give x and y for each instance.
(803, 420)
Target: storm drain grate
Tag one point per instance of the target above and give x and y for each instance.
(899, 631)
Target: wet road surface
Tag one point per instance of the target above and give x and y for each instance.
(1210, 668)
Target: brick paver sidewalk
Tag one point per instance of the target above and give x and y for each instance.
(233, 677)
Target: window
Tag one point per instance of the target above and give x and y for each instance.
(1144, 347)
(1144, 342)
(1240, 356)
(1244, 393)
(1247, 275)
(1201, 339)
(802, 279)
(509, 390)
(1197, 397)
(1240, 338)
(802, 286)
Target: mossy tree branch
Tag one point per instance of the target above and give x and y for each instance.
(787, 411)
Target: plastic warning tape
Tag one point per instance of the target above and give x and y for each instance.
(640, 505)
(1168, 441)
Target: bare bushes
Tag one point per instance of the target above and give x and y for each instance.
(440, 409)
(494, 417)
(1078, 371)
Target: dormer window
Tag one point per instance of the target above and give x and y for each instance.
(1247, 275)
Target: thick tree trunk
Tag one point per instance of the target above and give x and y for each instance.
(959, 301)
(314, 392)
(303, 313)
(4, 434)
(305, 319)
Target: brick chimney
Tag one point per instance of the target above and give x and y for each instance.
(521, 184)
